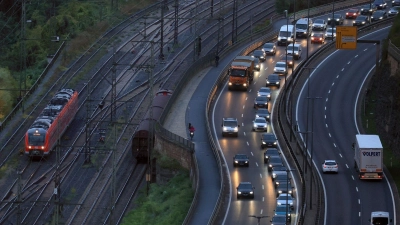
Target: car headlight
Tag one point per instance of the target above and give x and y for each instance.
(290, 192)
(267, 82)
(380, 17)
(254, 125)
(296, 53)
(245, 84)
(236, 161)
(246, 162)
(279, 203)
(270, 165)
(235, 129)
(363, 22)
(224, 129)
(354, 21)
(268, 116)
(277, 82)
(251, 192)
(279, 38)
(239, 192)
(266, 157)
(372, 17)
(263, 142)
(280, 191)
(230, 83)
(275, 143)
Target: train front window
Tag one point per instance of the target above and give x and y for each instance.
(36, 139)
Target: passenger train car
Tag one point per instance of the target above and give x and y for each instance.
(44, 133)
(141, 137)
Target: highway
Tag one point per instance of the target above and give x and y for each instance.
(337, 82)
(333, 127)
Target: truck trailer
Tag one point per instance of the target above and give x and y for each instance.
(368, 156)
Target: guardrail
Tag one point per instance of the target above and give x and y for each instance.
(394, 51)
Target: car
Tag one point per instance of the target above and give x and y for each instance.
(319, 24)
(264, 91)
(261, 102)
(352, 13)
(361, 21)
(284, 188)
(367, 9)
(274, 161)
(289, 59)
(269, 153)
(269, 48)
(281, 178)
(230, 126)
(278, 220)
(257, 64)
(275, 172)
(395, 3)
(284, 210)
(294, 50)
(380, 4)
(263, 112)
(378, 15)
(337, 18)
(330, 32)
(280, 68)
(330, 165)
(245, 190)
(285, 199)
(241, 160)
(268, 140)
(273, 80)
(259, 54)
(260, 124)
(317, 38)
(394, 11)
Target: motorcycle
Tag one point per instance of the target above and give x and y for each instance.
(191, 135)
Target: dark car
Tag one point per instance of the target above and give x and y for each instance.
(337, 18)
(240, 160)
(395, 3)
(284, 210)
(270, 152)
(284, 187)
(379, 15)
(261, 102)
(257, 63)
(290, 60)
(352, 13)
(245, 190)
(380, 4)
(361, 21)
(278, 220)
(317, 38)
(259, 54)
(269, 48)
(273, 80)
(274, 161)
(281, 178)
(263, 112)
(368, 9)
(268, 140)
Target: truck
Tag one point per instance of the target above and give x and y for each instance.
(368, 156)
(241, 72)
(286, 34)
(380, 218)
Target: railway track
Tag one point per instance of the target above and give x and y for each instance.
(131, 101)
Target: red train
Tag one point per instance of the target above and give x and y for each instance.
(42, 136)
(140, 139)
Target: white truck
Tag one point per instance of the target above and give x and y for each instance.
(380, 218)
(368, 156)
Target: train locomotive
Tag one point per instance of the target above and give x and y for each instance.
(48, 127)
(141, 137)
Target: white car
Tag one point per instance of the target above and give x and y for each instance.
(319, 24)
(260, 123)
(284, 199)
(330, 166)
(329, 32)
(264, 91)
(280, 67)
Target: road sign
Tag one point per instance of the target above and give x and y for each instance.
(346, 37)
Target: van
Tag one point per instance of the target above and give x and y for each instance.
(294, 50)
(286, 34)
(303, 27)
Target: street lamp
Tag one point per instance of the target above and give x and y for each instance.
(258, 218)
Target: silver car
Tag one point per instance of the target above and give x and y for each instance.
(284, 199)
(394, 11)
(260, 124)
(319, 24)
(329, 32)
(280, 68)
(264, 91)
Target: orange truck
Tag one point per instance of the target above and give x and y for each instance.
(241, 72)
